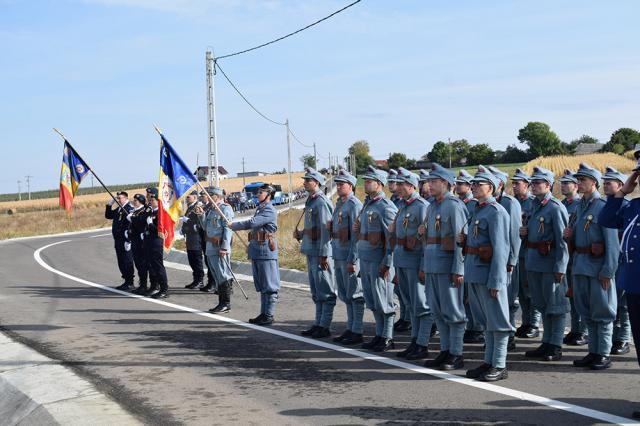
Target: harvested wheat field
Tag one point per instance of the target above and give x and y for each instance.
(557, 164)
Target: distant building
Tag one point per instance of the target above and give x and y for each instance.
(251, 174)
(381, 163)
(203, 173)
(588, 148)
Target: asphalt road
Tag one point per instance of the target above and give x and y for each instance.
(168, 362)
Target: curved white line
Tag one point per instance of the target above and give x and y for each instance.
(524, 396)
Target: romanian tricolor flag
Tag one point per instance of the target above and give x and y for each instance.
(175, 182)
(73, 170)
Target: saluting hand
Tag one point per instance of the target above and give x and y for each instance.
(630, 185)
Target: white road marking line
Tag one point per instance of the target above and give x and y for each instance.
(524, 396)
(63, 234)
(100, 235)
(287, 284)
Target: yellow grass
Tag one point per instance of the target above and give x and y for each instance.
(557, 164)
(98, 200)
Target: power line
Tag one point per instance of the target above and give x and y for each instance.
(244, 97)
(290, 34)
(298, 140)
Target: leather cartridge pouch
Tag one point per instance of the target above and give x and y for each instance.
(597, 249)
(313, 233)
(214, 240)
(375, 238)
(410, 243)
(485, 253)
(447, 243)
(544, 247)
(343, 235)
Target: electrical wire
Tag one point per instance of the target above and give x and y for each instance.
(290, 34)
(216, 64)
(298, 140)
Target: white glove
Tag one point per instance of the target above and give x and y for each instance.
(110, 203)
(149, 220)
(141, 237)
(127, 246)
(184, 219)
(126, 233)
(195, 228)
(129, 216)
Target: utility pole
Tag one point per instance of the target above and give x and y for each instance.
(286, 123)
(449, 152)
(19, 191)
(315, 156)
(28, 179)
(211, 116)
(243, 178)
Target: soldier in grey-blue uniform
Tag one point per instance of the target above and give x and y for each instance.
(512, 206)
(613, 181)
(316, 246)
(474, 332)
(627, 219)
(485, 265)
(407, 260)
(374, 250)
(444, 267)
(345, 256)
(404, 322)
(218, 235)
(595, 260)
(263, 252)
(423, 177)
(531, 317)
(577, 336)
(547, 258)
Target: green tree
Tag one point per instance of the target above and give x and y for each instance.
(480, 154)
(439, 153)
(361, 151)
(513, 154)
(308, 160)
(540, 139)
(397, 159)
(625, 137)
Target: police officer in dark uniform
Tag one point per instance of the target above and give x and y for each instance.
(137, 228)
(122, 243)
(192, 231)
(153, 250)
(627, 219)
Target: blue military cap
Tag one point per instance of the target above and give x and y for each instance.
(153, 191)
(569, 176)
(484, 175)
(464, 177)
(214, 190)
(439, 172)
(612, 174)
(503, 176)
(375, 174)
(393, 176)
(540, 173)
(521, 175)
(406, 176)
(311, 173)
(586, 170)
(423, 175)
(140, 198)
(345, 176)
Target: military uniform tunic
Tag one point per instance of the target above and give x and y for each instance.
(512, 206)
(530, 315)
(219, 236)
(577, 324)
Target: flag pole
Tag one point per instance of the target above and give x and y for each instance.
(90, 169)
(213, 203)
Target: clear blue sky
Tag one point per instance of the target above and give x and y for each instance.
(400, 74)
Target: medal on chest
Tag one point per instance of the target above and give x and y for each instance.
(309, 213)
(541, 225)
(339, 218)
(370, 216)
(405, 221)
(438, 224)
(476, 228)
(587, 224)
